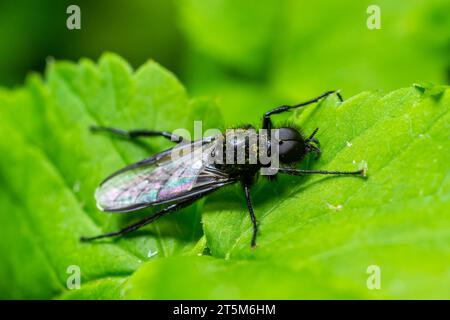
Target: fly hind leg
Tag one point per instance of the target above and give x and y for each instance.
(143, 222)
(132, 134)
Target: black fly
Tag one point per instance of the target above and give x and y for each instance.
(178, 182)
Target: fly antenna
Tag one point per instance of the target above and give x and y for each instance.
(313, 134)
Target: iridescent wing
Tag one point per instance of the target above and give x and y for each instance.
(171, 176)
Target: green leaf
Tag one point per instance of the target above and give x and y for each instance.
(317, 237)
(397, 218)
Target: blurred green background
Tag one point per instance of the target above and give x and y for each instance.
(248, 56)
(253, 54)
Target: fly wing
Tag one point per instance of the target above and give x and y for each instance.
(162, 178)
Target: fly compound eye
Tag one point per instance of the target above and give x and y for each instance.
(291, 151)
(291, 145)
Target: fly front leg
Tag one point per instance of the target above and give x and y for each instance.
(300, 172)
(131, 134)
(267, 122)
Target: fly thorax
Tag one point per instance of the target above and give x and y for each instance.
(241, 147)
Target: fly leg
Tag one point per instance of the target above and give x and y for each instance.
(143, 222)
(131, 134)
(252, 214)
(267, 123)
(300, 172)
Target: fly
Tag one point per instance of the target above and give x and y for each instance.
(178, 182)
